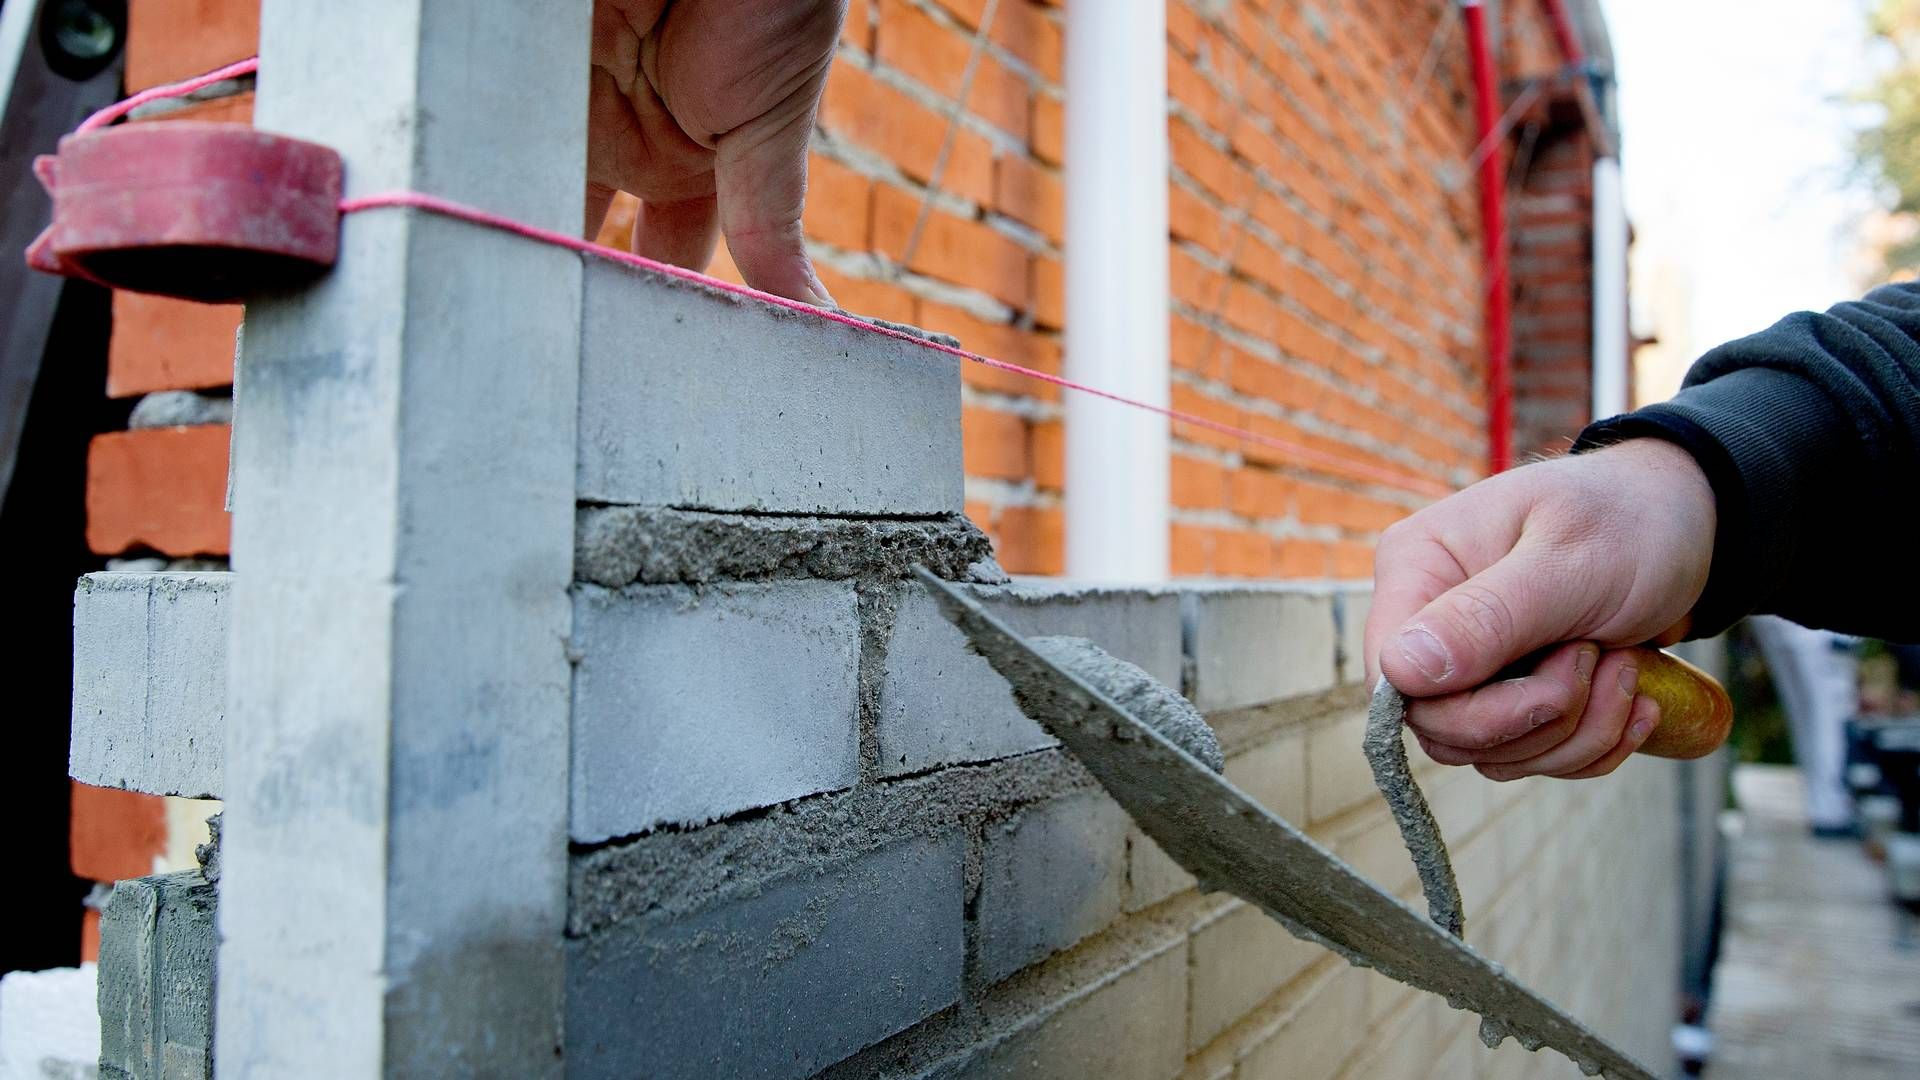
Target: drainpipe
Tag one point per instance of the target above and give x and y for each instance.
(1117, 337)
(1611, 395)
(1493, 232)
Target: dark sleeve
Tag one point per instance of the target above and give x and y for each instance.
(1810, 435)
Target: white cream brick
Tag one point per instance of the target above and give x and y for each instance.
(1275, 774)
(1338, 778)
(1240, 957)
(1311, 1042)
(1124, 1026)
(1152, 875)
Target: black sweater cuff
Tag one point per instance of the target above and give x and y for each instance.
(1766, 441)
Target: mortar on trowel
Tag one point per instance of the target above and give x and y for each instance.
(1159, 759)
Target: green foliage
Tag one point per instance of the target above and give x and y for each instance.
(1890, 151)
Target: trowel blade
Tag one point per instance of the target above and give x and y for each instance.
(1230, 842)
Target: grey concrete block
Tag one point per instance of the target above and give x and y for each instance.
(780, 984)
(726, 403)
(1052, 875)
(156, 978)
(150, 682)
(940, 704)
(692, 704)
(1126, 1025)
(1250, 645)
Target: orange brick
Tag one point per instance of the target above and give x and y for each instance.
(1033, 540)
(863, 110)
(857, 30)
(1197, 484)
(1001, 342)
(910, 41)
(1196, 348)
(160, 343)
(1242, 554)
(616, 229)
(114, 835)
(1190, 217)
(1260, 493)
(1352, 559)
(169, 40)
(994, 444)
(1188, 400)
(981, 514)
(1032, 194)
(1049, 293)
(158, 489)
(866, 297)
(1208, 165)
(1050, 455)
(89, 936)
(838, 202)
(1191, 551)
(1019, 27)
(1317, 504)
(1049, 137)
(953, 249)
(1184, 28)
(1301, 559)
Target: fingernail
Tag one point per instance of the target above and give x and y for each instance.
(1541, 714)
(1642, 728)
(1425, 653)
(1629, 680)
(1583, 663)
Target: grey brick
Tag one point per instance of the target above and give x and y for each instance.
(777, 985)
(156, 978)
(1250, 645)
(940, 704)
(150, 682)
(724, 404)
(692, 704)
(1050, 876)
(1126, 1025)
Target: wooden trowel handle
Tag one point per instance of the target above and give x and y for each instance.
(1695, 712)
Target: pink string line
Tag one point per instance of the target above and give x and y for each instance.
(448, 208)
(171, 90)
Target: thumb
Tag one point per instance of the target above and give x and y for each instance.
(1471, 631)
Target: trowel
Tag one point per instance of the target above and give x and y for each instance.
(1138, 739)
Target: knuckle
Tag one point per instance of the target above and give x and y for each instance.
(1482, 614)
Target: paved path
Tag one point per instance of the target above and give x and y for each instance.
(1819, 975)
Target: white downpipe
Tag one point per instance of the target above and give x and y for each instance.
(1117, 292)
(1611, 395)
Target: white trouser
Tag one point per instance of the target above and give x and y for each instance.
(1819, 686)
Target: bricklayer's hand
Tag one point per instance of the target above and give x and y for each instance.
(702, 109)
(1566, 561)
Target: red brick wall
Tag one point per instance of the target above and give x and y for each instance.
(1553, 285)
